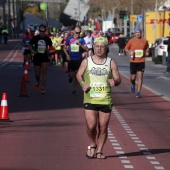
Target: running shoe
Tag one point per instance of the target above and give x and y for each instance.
(132, 88)
(138, 95)
(42, 90)
(74, 93)
(37, 86)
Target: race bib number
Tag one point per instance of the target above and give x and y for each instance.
(138, 53)
(41, 49)
(98, 90)
(75, 48)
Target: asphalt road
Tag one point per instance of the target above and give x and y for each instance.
(154, 77)
(47, 132)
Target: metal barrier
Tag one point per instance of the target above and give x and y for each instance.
(164, 58)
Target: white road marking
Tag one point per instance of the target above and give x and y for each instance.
(119, 151)
(159, 167)
(4, 62)
(136, 140)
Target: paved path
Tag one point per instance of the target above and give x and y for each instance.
(48, 131)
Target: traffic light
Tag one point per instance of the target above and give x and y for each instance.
(123, 14)
(115, 21)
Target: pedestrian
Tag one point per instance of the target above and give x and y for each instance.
(89, 41)
(5, 35)
(52, 51)
(96, 75)
(31, 34)
(76, 46)
(40, 46)
(168, 59)
(25, 48)
(121, 44)
(138, 48)
(64, 53)
(58, 48)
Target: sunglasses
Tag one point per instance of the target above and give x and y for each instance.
(42, 31)
(77, 32)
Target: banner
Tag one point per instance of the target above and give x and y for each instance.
(77, 9)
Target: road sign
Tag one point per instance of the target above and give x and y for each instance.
(133, 18)
(139, 18)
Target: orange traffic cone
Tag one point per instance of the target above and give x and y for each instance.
(26, 75)
(27, 67)
(4, 108)
(23, 92)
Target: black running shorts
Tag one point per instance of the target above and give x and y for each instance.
(74, 65)
(98, 107)
(135, 67)
(40, 58)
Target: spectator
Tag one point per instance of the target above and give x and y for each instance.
(121, 44)
(5, 34)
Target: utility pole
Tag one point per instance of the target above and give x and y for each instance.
(9, 18)
(47, 14)
(79, 13)
(156, 11)
(132, 12)
(18, 3)
(4, 14)
(14, 18)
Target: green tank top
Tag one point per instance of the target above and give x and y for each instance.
(96, 75)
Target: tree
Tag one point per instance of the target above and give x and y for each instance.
(116, 5)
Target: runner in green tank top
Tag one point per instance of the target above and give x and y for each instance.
(97, 74)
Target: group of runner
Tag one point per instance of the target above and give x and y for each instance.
(65, 49)
(83, 55)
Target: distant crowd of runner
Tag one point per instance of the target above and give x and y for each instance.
(61, 53)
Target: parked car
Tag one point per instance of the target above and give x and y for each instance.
(158, 49)
(114, 37)
(114, 30)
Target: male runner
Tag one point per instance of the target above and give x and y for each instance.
(76, 47)
(138, 49)
(96, 75)
(42, 45)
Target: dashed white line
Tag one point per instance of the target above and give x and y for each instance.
(128, 166)
(155, 162)
(159, 167)
(151, 157)
(136, 140)
(125, 161)
(119, 151)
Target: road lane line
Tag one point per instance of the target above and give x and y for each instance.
(4, 62)
(148, 88)
(118, 149)
(136, 140)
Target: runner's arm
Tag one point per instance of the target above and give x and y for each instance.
(79, 76)
(127, 48)
(116, 80)
(30, 46)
